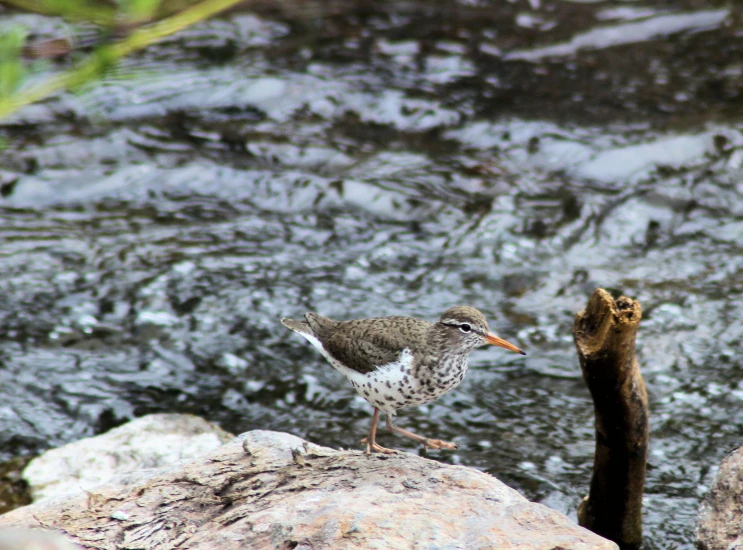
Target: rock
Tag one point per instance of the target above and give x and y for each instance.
(26, 539)
(148, 442)
(268, 490)
(720, 519)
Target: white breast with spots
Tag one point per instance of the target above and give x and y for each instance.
(389, 387)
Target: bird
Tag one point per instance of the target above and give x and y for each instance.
(395, 362)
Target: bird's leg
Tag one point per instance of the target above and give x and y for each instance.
(371, 444)
(433, 443)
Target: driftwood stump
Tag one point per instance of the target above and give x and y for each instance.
(604, 336)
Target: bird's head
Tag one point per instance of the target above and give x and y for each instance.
(465, 328)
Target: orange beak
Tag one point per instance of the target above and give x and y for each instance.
(493, 339)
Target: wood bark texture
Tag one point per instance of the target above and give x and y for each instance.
(605, 334)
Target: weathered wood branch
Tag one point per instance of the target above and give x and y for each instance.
(605, 334)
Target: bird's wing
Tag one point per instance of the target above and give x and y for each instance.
(364, 348)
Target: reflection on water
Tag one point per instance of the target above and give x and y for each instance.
(645, 26)
(154, 228)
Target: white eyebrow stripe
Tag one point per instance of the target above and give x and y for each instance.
(458, 323)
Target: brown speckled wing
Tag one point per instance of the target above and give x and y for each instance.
(366, 344)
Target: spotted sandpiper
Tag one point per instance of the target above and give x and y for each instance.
(396, 362)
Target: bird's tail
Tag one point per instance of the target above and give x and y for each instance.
(297, 326)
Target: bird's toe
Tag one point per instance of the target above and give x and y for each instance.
(439, 444)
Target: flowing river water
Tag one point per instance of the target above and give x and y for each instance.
(364, 159)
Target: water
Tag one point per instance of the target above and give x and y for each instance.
(398, 159)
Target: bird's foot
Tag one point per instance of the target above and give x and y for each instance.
(376, 447)
(438, 444)
(427, 443)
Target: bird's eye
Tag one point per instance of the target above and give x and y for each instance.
(465, 327)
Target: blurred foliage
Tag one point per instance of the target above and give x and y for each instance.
(105, 13)
(137, 10)
(73, 10)
(126, 26)
(11, 67)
